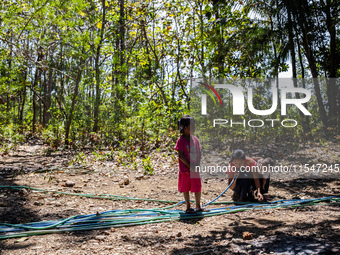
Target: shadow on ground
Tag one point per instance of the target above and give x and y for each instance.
(304, 187)
(269, 237)
(14, 208)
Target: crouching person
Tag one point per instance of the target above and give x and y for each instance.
(245, 170)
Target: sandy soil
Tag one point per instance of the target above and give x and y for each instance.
(306, 230)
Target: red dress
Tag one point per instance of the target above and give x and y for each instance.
(189, 181)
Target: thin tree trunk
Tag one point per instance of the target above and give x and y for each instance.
(47, 114)
(122, 39)
(9, 68)
(8, 103)
(331, 86)
(42, 97)
(97, 70)
(305, 127)
(202, 43)
(310, 57)
(34, 105)
(74, 101)
(306, 118)
(44, 110)
(23, 99)
(37, 77)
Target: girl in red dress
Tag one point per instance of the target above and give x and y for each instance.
(189, 156)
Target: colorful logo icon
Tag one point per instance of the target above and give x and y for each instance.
(208, 91)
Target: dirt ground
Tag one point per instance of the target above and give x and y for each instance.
(306, 230)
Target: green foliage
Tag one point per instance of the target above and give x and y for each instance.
(100, 155)
(78, 159)
(147, 165)
(52, 135)
(77, 73)
(125, 158)
(10, 138)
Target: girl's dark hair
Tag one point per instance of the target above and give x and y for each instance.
(185, 121)
(237, 154)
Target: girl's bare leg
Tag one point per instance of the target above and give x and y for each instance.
(187, 199)
(198, 200)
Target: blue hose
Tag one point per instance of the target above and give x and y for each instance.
(133, 217)
(222, 192)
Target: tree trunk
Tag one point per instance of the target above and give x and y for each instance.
(22, 103)
(42, 97)
(202, 43)
(8, 103)
(23, 99)
(305, 127)
(47, 114)
(331, 86)
(310, 57)
(306, 118)
(97, 70)
(122, 32)
(74, 100)
(37, 77)
(34, 105)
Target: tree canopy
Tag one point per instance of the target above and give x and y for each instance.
(117, 73)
